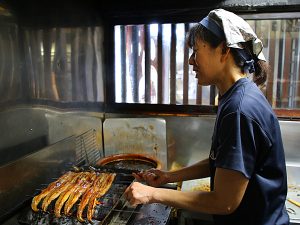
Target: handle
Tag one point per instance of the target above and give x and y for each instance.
(294, 202)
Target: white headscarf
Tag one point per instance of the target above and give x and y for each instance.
(236, 30)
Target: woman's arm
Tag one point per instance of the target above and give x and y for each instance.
(155, 178)
(229, 190)
(195, 171)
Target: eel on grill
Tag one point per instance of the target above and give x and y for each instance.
(89, 193)
(54, 185)
(100, 191)
(56, 192)
(78, 192)
(70, 187)
(66, 194)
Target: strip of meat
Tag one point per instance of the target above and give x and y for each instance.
(56, 192)
(78, 192)
(66, 194)
(100, 191)
(86, 197)
(64, 178)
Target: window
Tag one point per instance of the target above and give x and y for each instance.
(151, 63)
(281, 39)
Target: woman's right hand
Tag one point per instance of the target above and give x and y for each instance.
(152, 177)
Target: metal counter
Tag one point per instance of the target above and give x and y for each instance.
(293, 193)
(184, 215)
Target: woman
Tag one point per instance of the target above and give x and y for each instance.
(246, 162)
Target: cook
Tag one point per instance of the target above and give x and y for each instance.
(246, 162)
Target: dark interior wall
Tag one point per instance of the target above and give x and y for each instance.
(53, 13)
(89, 12)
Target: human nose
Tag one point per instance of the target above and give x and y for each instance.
(192, 59)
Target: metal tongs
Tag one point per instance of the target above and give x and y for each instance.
(105, 169)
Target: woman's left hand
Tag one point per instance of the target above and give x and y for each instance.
(138, 193)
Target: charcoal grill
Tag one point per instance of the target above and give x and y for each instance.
(114, 209)
(111, 200)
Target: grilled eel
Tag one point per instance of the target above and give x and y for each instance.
(56, 192)
(55, 184)
(78, 192)
(100, 191)
(86, 197)
(66, 194)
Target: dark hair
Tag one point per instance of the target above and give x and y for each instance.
(199, 31)
(262, 68)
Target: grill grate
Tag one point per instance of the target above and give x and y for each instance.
(121, 214)
(111, 200)
(87, 150)
(112, 210)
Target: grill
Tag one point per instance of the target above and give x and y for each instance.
(112, 200)
(114, 209)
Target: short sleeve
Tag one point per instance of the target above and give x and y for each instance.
(241, 142)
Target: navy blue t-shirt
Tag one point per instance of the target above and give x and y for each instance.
(247, 139)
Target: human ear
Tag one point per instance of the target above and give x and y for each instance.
(224, 52)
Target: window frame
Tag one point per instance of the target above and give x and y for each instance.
(171, 109)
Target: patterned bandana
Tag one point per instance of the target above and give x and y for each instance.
(233, 29)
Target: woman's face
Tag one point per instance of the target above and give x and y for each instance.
(206, 62)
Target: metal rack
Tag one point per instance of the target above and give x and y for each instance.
(87, 150)
(113, 200)
(121, 214)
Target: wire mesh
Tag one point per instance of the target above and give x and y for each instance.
(124, 215)
(113, 199)
(88, 152)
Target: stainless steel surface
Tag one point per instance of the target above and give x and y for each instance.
(20, 125)
(290, 131)
(189, 138)
(293, 175)
(136, 135)
(62, 124)
(21, 179)
(65, 69)
(26, 129)
(57, 67)
(10, 62)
